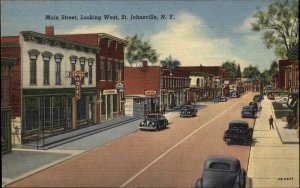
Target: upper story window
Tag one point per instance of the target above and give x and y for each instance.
(33, 55)
(109, 70)
(73, 60)
(46, 71)
(82, 67)
(58, 59)
(102, 70)
(90, 73)
(116, 71)
(122, 71)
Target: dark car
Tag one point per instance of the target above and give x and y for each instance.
(248, 112)
(188, 111)
(254, 105)
(154, 121)
(221, 171)
(238, 131)
(223, 99)
(258, 98)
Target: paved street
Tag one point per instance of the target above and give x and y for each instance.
(173, 157)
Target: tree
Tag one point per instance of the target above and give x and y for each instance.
(280, 24)
(231, 69)
(267, 78)
(274, 68)
(239, 73)
(170, 63)
(251, 72)
(137, 50)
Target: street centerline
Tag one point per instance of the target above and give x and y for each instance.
(169, 150)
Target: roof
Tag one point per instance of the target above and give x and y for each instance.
(238, 121)
(215, 70)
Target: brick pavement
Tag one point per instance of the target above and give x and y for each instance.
(273, 162)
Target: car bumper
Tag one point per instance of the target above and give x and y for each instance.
(147, 128)
(187, 115)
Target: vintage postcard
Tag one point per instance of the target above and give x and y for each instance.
(173, 93)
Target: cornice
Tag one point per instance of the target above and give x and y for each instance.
(104, 35)
(54, 41)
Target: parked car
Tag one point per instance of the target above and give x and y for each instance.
(221, 171)
(223, 99)
(258, 98)
(153, 121)
(271, 96)
(254, 105)
(188, 111)
(238, 131)
(235, 94)
(248, 112)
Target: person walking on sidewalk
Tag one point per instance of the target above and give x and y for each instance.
(271, 122)
(289, 119)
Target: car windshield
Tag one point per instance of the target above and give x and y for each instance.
(247, 108)
(152, 117)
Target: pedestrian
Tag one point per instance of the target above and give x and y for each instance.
(271, 122)
(289, 119)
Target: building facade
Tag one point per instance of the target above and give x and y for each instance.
(7, 65)
(142, 89)
(109, 72)
(43, 91)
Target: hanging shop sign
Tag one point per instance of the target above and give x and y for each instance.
(77, 76)
(150, 92)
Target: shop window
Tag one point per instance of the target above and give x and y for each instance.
(81, 106)
(103, 105)
(115, 103)
(116, 71)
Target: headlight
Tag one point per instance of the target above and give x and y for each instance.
(152, 123)
(143, 123)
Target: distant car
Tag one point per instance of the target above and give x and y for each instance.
(221, 171)
(153, 121)
(248, 112)
(258, 98)
(238, 131)
(254, 105)
(223, 99)
(188, 111)
(235, 94)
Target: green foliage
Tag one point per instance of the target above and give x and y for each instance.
(231, 69)
(281, 26)
(251, 72)
(137, 50)
(170, 63)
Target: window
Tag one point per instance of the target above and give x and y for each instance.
(82, 67)
(122, 71)
(58, 58)
(81, 104)
(90, 75)
(46, 59)
(109, 71)
(73, 60)
(33, 55)
(102, 70)
(116, 72)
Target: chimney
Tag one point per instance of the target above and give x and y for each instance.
(145, 62)
(49, 30)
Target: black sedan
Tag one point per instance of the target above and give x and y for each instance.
(238, 131)
(220, 171)
(254, 105)
(154, 121)
(188, 111)
(248, 112)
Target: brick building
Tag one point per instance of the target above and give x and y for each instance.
(142, 88)
(205, 81)
(7, 64)
(109, 71)
(42, 95)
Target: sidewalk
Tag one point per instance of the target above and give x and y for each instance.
(274, 155)
(26, 160)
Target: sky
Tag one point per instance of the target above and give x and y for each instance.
(206, 32)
